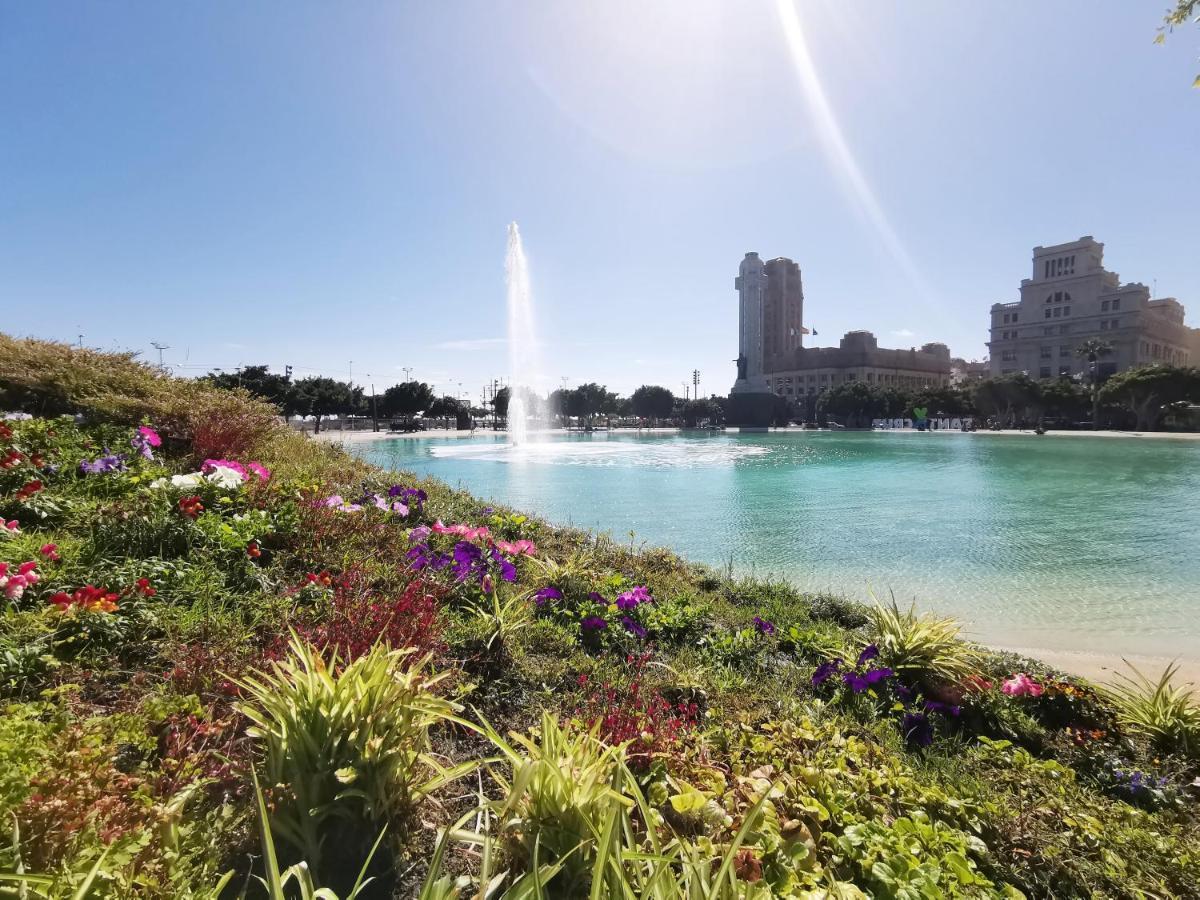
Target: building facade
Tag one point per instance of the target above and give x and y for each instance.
(772, 357)
(1072, 298)
(770, 317)
(808, 372)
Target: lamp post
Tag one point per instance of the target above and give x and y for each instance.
(155, 344)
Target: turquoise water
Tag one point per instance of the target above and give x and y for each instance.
(1060, 543)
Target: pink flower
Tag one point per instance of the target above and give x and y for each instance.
(11, 526)
(14, 585)
(211, 464)
(50, 551)
(518, 547)
(1021, 685)
(150, 436)
(263, 473)
(466, 532)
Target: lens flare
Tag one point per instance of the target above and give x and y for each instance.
(838, 152)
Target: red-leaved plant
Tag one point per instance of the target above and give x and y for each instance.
(358, 617)
(631, 712)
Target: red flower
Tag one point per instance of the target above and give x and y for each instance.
(191, 506)
(5, 432)
(143, 587)
(29, 490)
(324, 579)
(252, 550)
(10, 459)
(37, 461)
(88, 598)
(50, 551)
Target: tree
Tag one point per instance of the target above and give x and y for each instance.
(500, 402)
(1008, 397)
(448, 407)
(1183, 11)
(406, 399)
(1065, 398)
(943, 400)
(652, 402)
(589, 400)
(1149, 392)
(319, 396)
(1092, 350)
(261, 382)
(698, 411)
(856, 401)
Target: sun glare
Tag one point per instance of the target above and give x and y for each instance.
(836, 149)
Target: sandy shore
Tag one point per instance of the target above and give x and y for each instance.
(1103, 667)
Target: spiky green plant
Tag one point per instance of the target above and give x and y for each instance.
(1168, 715)
(924, 646)
(501, 619)
(346, 748)
(561, 800)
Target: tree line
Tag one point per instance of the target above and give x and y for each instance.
(1139, 398)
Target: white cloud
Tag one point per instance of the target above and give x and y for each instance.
(471, 344)
(904, 332)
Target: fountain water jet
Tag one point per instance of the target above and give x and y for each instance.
(522, 340)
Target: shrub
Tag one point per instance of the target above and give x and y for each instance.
(921, 647)
(562, 794)
(358, 618)
(348, 749)
(1166, 714)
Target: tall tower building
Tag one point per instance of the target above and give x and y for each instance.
(770, 317)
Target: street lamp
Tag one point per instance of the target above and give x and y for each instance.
(155, 344)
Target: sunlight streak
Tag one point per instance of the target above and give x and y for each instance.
(833, 141)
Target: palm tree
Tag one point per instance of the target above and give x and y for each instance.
(1092, 350)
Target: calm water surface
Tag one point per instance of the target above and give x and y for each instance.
(1067, 543)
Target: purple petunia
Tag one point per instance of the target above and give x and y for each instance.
(507, 570)
(869, 653)
(917, 729)
(825, 671)
(546, 594)
(468, 561)
(419, 535)
(408, 496)
(596, 597)
(110, 462)
(764, 626)
(934, 706)
(633, 598)
(593, 623)
(633, 627)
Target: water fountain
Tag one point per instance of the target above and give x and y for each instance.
(522, 341)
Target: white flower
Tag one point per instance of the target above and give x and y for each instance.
(179, 481)
(224, 477)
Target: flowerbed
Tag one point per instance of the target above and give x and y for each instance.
(190, 605)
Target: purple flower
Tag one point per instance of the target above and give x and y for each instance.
(408, 496)
(507, 570)
(594, 596)
(593, 623)
(419, 535)
(633, 627)
(546, 594)
(903, 692)
(869, 653)
(634, 598)
(486, 511)
(468, 561)
(934, 706)
(110, 462)
(874, 676)
(825, 671)
(917, 729)
(763, 625)
(857, 683)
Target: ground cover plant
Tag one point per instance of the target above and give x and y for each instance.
(238, 662)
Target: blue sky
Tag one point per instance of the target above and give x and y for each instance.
(316, 183)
